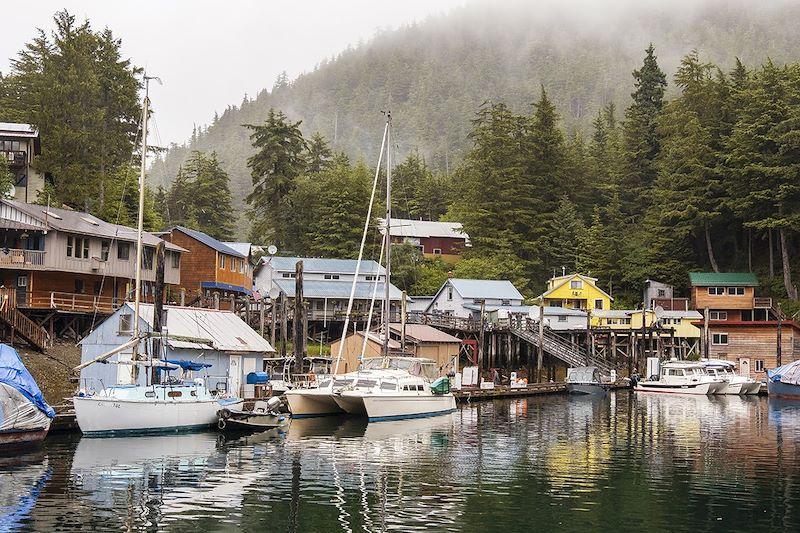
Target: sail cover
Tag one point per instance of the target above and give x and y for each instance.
(22, 404)
(789, 373)
(193, 366)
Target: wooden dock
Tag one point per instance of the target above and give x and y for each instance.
(504, 391)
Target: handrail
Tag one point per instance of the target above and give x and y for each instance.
(21, 258)
(24, 326)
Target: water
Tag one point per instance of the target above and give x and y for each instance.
(548, 463)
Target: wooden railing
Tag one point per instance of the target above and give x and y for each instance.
(444, 321)
(17, 258)
(23, 326)
(762, 303)
(66, 301)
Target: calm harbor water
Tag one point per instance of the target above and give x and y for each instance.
(549, 463)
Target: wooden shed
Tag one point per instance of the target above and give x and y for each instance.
(421, 341)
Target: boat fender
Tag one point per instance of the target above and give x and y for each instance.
(221, 423)
(224, 413)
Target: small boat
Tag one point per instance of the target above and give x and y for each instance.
(262, 416)
(726, 371)
(682, 377)
(586, 380)
(784, 381)
(24, 415)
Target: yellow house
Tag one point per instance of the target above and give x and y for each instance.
(576, 291)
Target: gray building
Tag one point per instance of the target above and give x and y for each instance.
(458, 297)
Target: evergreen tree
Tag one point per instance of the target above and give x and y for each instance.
(319, 155)
(211, 197)
(566, 237)
(274, 168)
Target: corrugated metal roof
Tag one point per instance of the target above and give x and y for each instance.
(338, 289)
(693, 315)
(322, 265)
(241, 247)
(708, 279)
(405, 227)
(486, 288)
(222, 330)
(84, 223)
(209, 241)
(18, 129)
(612, 313)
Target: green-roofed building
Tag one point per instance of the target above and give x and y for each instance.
(725, 279)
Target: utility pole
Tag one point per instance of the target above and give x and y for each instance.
(298, 337)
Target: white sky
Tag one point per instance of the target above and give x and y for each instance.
(209, 54)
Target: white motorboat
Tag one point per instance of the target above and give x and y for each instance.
(396, 388)
(587, 380)
(682, 377)
(726, 371)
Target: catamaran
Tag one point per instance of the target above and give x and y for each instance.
(134, 405)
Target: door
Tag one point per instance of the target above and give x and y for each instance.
(744, 367)
(22, 290)
(235, 375)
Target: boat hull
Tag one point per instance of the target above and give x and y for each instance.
(592, 389)
(786, 391)
(252, 423)
(700, 389)
(351, 403)
(103, 416)
(13, 440)
(397, 407)
(306, 403)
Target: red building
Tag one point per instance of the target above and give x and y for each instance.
(445, 240)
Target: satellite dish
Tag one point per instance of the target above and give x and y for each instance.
(274, 293)
(272, 250)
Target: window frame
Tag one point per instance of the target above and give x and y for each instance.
(576, 285)
(758, 365)
(715, 291)
(717, 339)
(720, 315)
(127, 254)
(175, 260)
(736, 291)
(222, 261)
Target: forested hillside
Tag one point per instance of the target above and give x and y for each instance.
(434, 75)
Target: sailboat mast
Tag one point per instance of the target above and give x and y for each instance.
(388, 303)
(139, 228)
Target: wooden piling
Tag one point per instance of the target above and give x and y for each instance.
(298, 337)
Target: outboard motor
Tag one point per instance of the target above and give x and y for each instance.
(273, 404)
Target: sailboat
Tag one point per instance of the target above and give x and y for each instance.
(174, 405)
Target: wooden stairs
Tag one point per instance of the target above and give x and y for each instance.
(20, 324)
(572, 354)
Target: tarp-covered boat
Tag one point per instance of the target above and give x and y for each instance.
(784, 381)
(586, 380)
(24, 415)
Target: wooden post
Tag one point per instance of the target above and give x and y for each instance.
(403, 303)
(215, 298)
(158, 306)
(183, 297)
(261, 318)
(778, 348)
(589, 343)
(284, 325)
(481, 348)
(540, 359)
(273, 318)
(298, 339)
(705, 333)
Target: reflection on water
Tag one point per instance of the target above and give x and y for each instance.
(624, 462)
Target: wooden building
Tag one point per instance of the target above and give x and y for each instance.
(576, 291)
(58, 265)
(421, 341)
(19, 146)
(458, 297)
(741, 327)
(211, 269)
(443, 240)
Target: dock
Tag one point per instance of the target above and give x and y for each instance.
(467, 395)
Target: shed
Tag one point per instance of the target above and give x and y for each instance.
(219, 338)
(421, 341)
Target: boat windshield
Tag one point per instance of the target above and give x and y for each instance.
(325, 384)
(342, 382)
(424, 368)
(365, 383)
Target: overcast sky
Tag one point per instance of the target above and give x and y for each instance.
(209, 54)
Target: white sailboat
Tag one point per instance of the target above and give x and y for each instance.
(179, 404)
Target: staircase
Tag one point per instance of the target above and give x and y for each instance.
(23, 326)
(572, 354)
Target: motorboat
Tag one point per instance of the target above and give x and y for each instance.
(396, 388)
(260, 416)
(682, 377)
(587, 380)
(784, 381)
(24, 415)
(726, 371)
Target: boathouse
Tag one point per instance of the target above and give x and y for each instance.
(434, 239)
(420, 341)
(211, 336)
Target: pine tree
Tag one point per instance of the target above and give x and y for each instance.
(319, 155)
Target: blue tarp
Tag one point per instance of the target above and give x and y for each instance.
(189, 365)
(14, 374)
(788, 373)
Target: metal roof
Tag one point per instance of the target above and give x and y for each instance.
(695, 315)
(84, 223)
(707, 279)
(338, 289)
(18, 130)
(613, 313)
(243, 248)
(425, 333)
(491, 308)
(485, 288)
(209, 241)
(322, 265)
(406, 227)
(200, 328)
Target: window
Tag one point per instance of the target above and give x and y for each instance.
(288, 274)
(147, 258)
(759, 365)
(437, 251)
(221, 261)
(562, 318)
(331, 276)
(241, 266)
(233, 265)
(718, 315)
(105, 248)
(123, 251)
(370, 278)
(736, 291)
(719, 339)
(174, 394)
(449, 294)
(78, 247)
(662, 293)
(125, 324)
(716, 291)
(175, 260)
(79, 286)
(506, 302)
(22, 281)
(576, 284)
(385, 385)
(598, 303)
